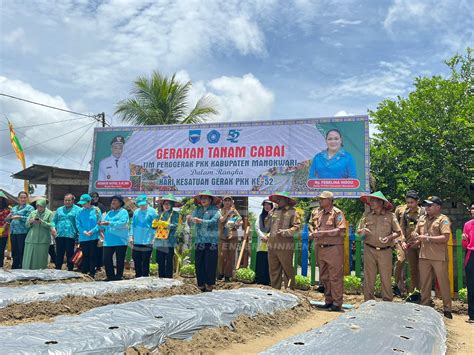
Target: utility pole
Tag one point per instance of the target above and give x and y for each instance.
(102, 118)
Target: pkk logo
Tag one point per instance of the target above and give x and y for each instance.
(194, 135)
(233, 135)
(213, 136)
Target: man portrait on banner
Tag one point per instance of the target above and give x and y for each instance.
(334, 162)
(115, 167)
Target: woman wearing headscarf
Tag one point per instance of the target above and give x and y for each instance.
(206, 217)
(141, 233)
(39, 224)
(165, 224)
(4, 225)
(115, 227)
(18, 229)
(229, 222)
(262, 227)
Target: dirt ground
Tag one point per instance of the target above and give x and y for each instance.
(248, 336)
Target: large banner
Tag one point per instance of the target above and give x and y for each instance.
(303, 157)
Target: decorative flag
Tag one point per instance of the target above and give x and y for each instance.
(17, 145)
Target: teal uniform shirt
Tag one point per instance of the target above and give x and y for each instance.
(18, 226)
(65, 222)
(86, 221)
(141, 229)
(208, 230)
(116, 234)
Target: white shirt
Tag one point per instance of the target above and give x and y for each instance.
(114, 169)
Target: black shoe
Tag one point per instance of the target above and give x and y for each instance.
(396, 291)
(448, 315)
(324, 306)
(320, 289)
(226, 279)
(335, 308)
(220, 277)
(414, 297)
(470, 321)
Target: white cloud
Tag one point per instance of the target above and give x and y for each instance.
(405, 10)
(73, 136)
(388, 80)
(344, 22)
(16, 39)
(343, 113)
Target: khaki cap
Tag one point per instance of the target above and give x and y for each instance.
(326, 194)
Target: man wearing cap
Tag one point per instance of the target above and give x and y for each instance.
(432, 233)
(66, 231)
(407, 216)
(116, 167)
(141, 235)
(206, 218)
(285, 222)
(327, 227)
(380, 229)
(87, 220)
(229, 222)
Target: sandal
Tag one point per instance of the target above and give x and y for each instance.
(471, 321)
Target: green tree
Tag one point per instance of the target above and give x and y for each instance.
(163, 101)
(425, 141)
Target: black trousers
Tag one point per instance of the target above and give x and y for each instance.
(89, 252)
(3, 244)
(18, 247)
(52, 253)
(164, 258)
(64, 245)
(469, 269)
(262, 274)
(141, 259)
(206, 264)
(120, 251)
(100, 257)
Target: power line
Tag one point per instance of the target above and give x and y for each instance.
(43, 124)
(49, 140)
(87, 149)
(72, 145)
(49, 106)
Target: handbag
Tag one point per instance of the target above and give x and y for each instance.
(162, 227)
(77, 258)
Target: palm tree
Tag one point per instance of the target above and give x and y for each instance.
(162, 101)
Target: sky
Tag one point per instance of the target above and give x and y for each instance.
(257, 59)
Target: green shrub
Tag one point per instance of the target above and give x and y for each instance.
(352, 284)
(462, 295)
(245, 275)
(188, 270)
(302, 282)
(154, 269)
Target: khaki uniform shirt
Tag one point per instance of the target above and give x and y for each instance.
(322, 220)
(437, 225)
(379, 226)
(408, 220)
(286, 219)
(224, 233)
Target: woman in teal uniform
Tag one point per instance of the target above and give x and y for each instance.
(334, 162)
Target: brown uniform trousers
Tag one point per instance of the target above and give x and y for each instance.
(281, 246)
(406, 220)
(377, 255)
(330, 251)
(228, 241)
(434, 259)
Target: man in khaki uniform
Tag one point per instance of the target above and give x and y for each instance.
(229, 222)
(407, 216)
(432, 233)
(327, 227)
(285, 222)
(380, 228)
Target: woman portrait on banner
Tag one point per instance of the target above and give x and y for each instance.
(262, 227)
(334, 162)
(165, 226)
(40, 226)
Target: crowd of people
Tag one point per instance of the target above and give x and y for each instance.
(419, 233)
